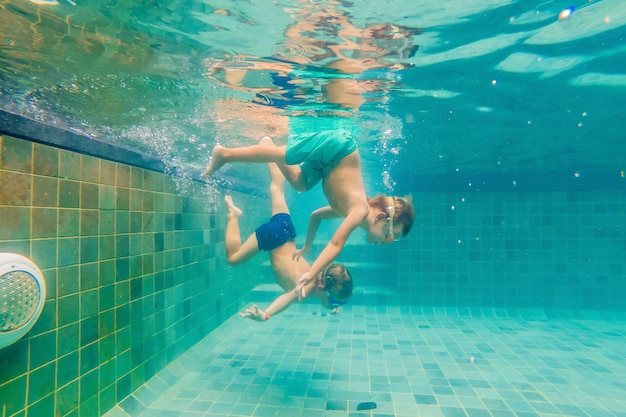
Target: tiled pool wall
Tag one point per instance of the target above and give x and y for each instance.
(546, 250)
(135, 276)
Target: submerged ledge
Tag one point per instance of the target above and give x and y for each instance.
(31, 130)
(24, 128)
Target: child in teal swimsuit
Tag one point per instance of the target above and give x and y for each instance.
(332, 157)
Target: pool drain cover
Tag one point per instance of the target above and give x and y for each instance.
(368, 405)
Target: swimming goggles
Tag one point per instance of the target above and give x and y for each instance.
(391, 212)
(329, 283)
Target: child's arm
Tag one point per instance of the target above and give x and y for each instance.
(316, 218)
(332, 249)
(281, 303)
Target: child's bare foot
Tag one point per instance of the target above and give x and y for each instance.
(216, 162)
(231, 208)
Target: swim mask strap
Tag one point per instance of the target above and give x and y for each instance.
(391, 212)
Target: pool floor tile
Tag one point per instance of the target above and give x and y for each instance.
(430, 363)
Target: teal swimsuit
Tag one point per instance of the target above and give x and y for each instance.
(318, 152)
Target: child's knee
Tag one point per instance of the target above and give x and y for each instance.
(299, 183)
(276, 189)
(234, 260)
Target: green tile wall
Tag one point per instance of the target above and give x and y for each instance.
(135, 276)
(550, 250)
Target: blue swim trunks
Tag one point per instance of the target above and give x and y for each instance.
(278, 231)
(319, 152)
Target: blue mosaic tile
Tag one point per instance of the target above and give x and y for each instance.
(520, 367)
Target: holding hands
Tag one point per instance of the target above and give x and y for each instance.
(302, 283)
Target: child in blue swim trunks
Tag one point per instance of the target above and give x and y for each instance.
(332, 157)
(332, 287)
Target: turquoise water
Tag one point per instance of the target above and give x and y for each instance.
(489, 95)
(502, 118)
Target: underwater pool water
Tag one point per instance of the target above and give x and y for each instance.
(502, 118)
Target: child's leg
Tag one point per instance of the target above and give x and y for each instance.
(254, 153)
(236, 253)
(277, 185)
(277, 190)
(293, 174)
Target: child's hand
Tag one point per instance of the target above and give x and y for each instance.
(254, 313)
(301, 288)
(298, 254)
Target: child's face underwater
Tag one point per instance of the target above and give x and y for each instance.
(384, 231)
